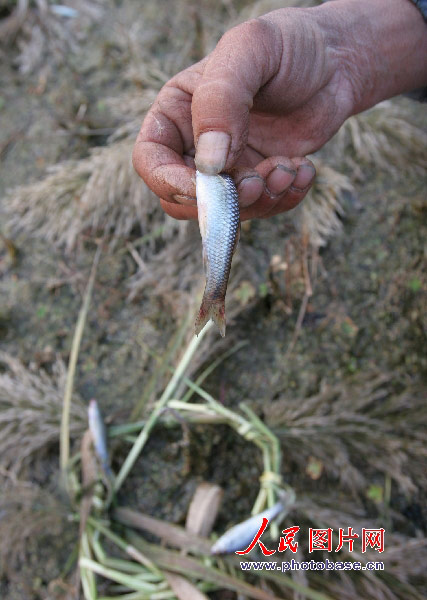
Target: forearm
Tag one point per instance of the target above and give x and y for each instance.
(382, 43)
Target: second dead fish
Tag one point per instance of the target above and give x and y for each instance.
(241, 535)
(219, 223)
(99, 435)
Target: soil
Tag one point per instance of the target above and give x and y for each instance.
(366, 315)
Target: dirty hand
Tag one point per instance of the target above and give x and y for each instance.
(273, 90)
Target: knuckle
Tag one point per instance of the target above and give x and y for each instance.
(252, 30)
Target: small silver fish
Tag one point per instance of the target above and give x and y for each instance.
(219, 223)
(241, 535)
(99, 435)
(64, 11)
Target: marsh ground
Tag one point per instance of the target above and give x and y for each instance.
(360, 351)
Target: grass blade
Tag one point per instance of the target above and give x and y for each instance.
(130, 550)
(64, 441)
(191, 567)
(174, 534)
(212, 366)
(161, 368)
(160, 404)
(127, 580)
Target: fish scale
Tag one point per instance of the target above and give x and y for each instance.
(219, 222)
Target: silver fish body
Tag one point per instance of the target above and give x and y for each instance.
(241, 535)
(219, 223)
(99, 435)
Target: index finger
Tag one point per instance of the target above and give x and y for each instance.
(166, 136)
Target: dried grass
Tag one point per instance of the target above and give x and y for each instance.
(175, 279)
(136, 104)
(403, 556)
(102, 193)
(99, 194)
(173, 273)
(137, 42)
(318, 217)
(175, 276)
(28, 514)
(192, 30)
(30, 411)
(361, 432)
(356, 429)
(382, 138)
(42, 35)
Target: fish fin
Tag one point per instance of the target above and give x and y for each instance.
(211, 310)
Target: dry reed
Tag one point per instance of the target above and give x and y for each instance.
(356, 429)
(383, 138)
(43, 34)
(30, 411)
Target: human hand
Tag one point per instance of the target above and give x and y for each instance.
(273, 90)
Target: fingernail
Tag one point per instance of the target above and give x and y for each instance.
(279, 179)
(304, 177)
(212, 151)
(250, 189)
(187, 200)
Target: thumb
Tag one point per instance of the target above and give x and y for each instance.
(245, 58)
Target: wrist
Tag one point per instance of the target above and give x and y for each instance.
(379, 47)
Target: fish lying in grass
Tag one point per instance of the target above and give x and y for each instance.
(219, 223)
(99, 436)
(241, 535)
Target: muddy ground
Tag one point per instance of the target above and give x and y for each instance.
(365, 319)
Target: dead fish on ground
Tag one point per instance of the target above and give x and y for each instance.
(64, 11)
(219, 223)
(241, 535)
(99, 436)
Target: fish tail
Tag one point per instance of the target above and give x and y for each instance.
(211, 309)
